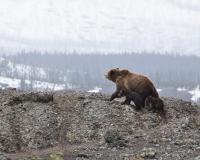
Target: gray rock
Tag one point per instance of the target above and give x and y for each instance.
(114, 139)
(148, 152)
(3, 157)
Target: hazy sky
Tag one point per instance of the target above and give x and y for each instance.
(101, 25)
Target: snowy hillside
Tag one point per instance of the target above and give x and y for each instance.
(57, 72)
(8, 68)
(6, 82)
(101, 25)
(26, 77)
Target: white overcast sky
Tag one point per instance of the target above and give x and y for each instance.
(101, 25)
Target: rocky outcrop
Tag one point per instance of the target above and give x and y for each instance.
(80, 125)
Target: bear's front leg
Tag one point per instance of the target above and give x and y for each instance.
(116, 94)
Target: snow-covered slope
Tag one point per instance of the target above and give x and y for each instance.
(20, 70)
(195, 94)
(26, 77)
(24, 70)
(103, 25)
(6, 82)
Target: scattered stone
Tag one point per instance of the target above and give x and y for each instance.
(166, 139)
(198, 148)
(178, 142)
(82, 155)
(154, 141)
(157, 145)
(56, 156)
(148, 152)
(95, 127)
(3, 157)
(34, 158)
(85, 102)
(114, 139)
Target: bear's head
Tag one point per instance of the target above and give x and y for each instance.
(113, 74)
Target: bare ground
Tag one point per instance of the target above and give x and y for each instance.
(78, 125)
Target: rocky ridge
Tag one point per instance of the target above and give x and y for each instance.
(80, 125)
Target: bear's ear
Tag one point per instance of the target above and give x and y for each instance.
(124, 72)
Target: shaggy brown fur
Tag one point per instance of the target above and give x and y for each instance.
(128, 82)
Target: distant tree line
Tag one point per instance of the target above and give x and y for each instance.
(87, 70)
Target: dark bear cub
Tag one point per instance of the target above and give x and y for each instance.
(132, 96)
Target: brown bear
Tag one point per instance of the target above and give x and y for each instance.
(128, 82)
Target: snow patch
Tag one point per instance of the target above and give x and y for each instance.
(179, 89)
(95, 90)
(13, 83)
(37, 85)
(69, 86)
(2, 59)
(159, 89)
(195, 94)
